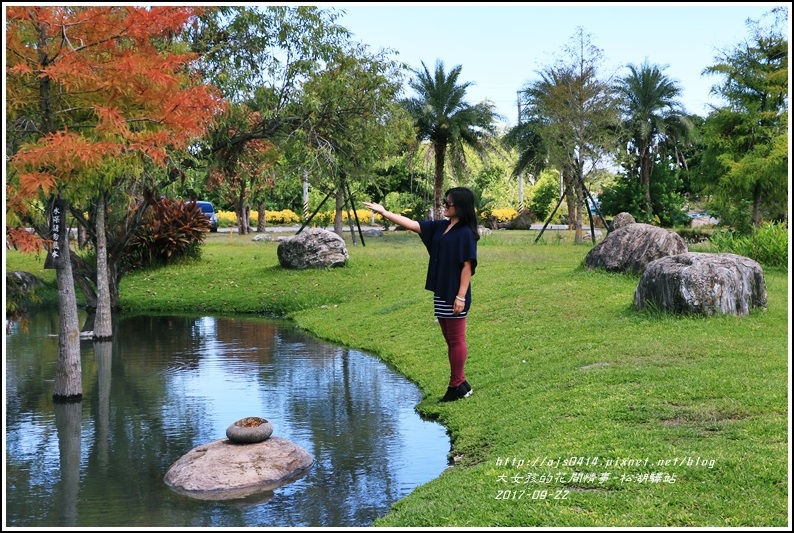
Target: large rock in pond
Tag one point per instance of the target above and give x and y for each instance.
(313, 248)
(224, 470)
(631, 247)
(702, 283)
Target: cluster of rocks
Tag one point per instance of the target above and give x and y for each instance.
(675, 280)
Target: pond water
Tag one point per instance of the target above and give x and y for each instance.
(167, 384)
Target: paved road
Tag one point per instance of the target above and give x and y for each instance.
(294, 229)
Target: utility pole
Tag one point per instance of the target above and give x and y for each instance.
(520, 175)
(305, 194)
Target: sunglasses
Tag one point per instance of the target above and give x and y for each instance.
(447, 204)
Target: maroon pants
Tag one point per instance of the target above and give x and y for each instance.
(454, 330)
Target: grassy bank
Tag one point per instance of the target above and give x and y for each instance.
(585, 412)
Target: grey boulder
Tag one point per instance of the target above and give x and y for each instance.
(313, 248)
(631, 247)
(702, 283)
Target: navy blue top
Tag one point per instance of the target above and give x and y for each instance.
(448, 252)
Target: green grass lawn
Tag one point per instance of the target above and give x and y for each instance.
(585, 412)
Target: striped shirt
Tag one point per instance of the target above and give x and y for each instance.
(448, 251)
(444, 310)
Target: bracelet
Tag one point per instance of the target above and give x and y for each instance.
(460, 299)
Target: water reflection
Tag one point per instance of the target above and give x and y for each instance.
(166, 384)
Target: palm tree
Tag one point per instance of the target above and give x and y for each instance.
(528, 139)
(443, 117)
(653, 119)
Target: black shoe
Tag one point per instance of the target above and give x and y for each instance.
(468, 387)
(456, 393)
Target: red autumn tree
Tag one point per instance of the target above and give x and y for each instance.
(101, 102)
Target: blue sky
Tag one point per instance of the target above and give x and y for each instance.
(501, 46)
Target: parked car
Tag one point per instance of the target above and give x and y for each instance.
(209, 210)
(592, 207)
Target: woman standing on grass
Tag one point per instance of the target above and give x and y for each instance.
(452, 244)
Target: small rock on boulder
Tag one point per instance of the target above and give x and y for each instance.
(313, 248)
(702, 283)
(223, 470)
(621, 220)
(632, 247)
(249, 429)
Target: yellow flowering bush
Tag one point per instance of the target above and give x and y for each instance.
(364, 216)
(287, 217)
(281, 218)
(504, 214)
(226, 218)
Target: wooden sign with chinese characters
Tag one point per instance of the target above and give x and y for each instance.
(59, 234)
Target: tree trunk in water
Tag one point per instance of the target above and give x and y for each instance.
(86, 285)
(85, 275)
(103, 322)
(68, 418)
(261, 221)
(438, 182)
(103, 354)
(68, 378)
(340, 205)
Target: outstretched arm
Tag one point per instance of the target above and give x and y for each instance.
(400, 220)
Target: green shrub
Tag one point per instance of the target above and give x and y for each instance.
(172, 230)
(768, 244)
(545, 195)
(694, 235)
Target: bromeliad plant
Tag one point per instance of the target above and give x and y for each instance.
(173, 230)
